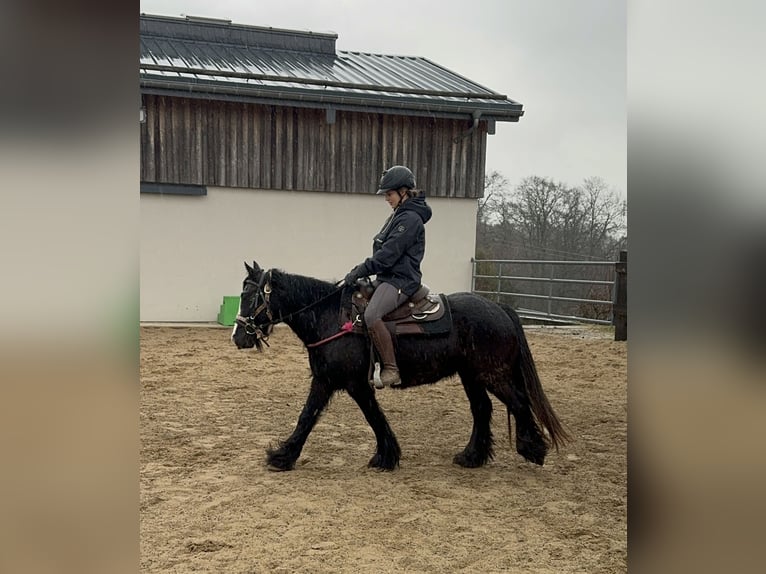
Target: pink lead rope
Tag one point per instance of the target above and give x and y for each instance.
(347, 327)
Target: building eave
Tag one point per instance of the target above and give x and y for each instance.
(396, 104)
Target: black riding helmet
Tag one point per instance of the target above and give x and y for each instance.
(395, 177)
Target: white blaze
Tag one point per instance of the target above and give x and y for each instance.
(239, 312)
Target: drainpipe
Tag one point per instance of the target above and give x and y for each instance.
(475, 115)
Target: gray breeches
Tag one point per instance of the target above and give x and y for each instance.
(385, 299)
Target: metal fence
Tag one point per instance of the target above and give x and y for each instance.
(559, 291)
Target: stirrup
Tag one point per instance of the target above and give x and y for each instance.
(394, 379)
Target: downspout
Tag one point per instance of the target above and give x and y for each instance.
(475, 115)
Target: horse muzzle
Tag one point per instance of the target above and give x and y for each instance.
(257, 333)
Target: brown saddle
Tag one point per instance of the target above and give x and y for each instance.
(423, 313)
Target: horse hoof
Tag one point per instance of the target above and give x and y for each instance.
(278, 462)
(466, 461)
(535, 459)
(531, 452)
(378, 463)
(272, 468)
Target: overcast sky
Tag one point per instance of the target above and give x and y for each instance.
(564, 60)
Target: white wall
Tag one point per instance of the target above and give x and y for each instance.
(193, 247)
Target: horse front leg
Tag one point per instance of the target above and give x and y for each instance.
(287, 452)
(479, 449)
(387, 454)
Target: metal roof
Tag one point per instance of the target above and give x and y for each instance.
(216, 59)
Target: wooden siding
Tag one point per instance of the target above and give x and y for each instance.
(231, 144)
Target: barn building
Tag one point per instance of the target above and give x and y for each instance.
(267, 144)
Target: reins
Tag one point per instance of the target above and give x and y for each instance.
(306, 308)
(262, 331)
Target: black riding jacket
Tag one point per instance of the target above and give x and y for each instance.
(399, 247)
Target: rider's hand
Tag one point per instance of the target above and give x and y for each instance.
(353, 275)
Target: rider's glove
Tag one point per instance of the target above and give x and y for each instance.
(354, 274)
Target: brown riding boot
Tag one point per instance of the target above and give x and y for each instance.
(381, 338)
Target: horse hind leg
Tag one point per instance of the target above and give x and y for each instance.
(530, 442)
(479, 449)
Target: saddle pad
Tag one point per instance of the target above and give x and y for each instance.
(439, 327)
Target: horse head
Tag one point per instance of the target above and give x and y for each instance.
(254, 321)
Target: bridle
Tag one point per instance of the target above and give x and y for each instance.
(263, 330)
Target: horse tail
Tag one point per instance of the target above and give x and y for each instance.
(541, 407)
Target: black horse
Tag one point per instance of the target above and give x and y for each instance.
(486, 347)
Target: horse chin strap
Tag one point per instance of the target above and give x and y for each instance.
(249, 324)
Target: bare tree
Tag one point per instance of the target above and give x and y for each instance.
(495, 188)
(494, 231)
(605, 215)
(553, 217)
(544, 219)
(537, 208)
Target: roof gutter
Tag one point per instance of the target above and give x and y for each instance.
(505, 111)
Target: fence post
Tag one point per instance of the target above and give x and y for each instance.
(550, 289)
(620, 310)
(499, 276)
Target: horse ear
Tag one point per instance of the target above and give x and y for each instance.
(254, 270)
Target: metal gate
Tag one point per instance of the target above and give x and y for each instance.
(556, 291)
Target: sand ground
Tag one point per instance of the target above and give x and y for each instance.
(209, 504)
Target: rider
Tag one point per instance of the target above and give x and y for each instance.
(397, 251)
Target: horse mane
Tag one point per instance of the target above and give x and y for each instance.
(300, 287)
(296, 292)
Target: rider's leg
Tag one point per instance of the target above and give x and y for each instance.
(385, 299)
